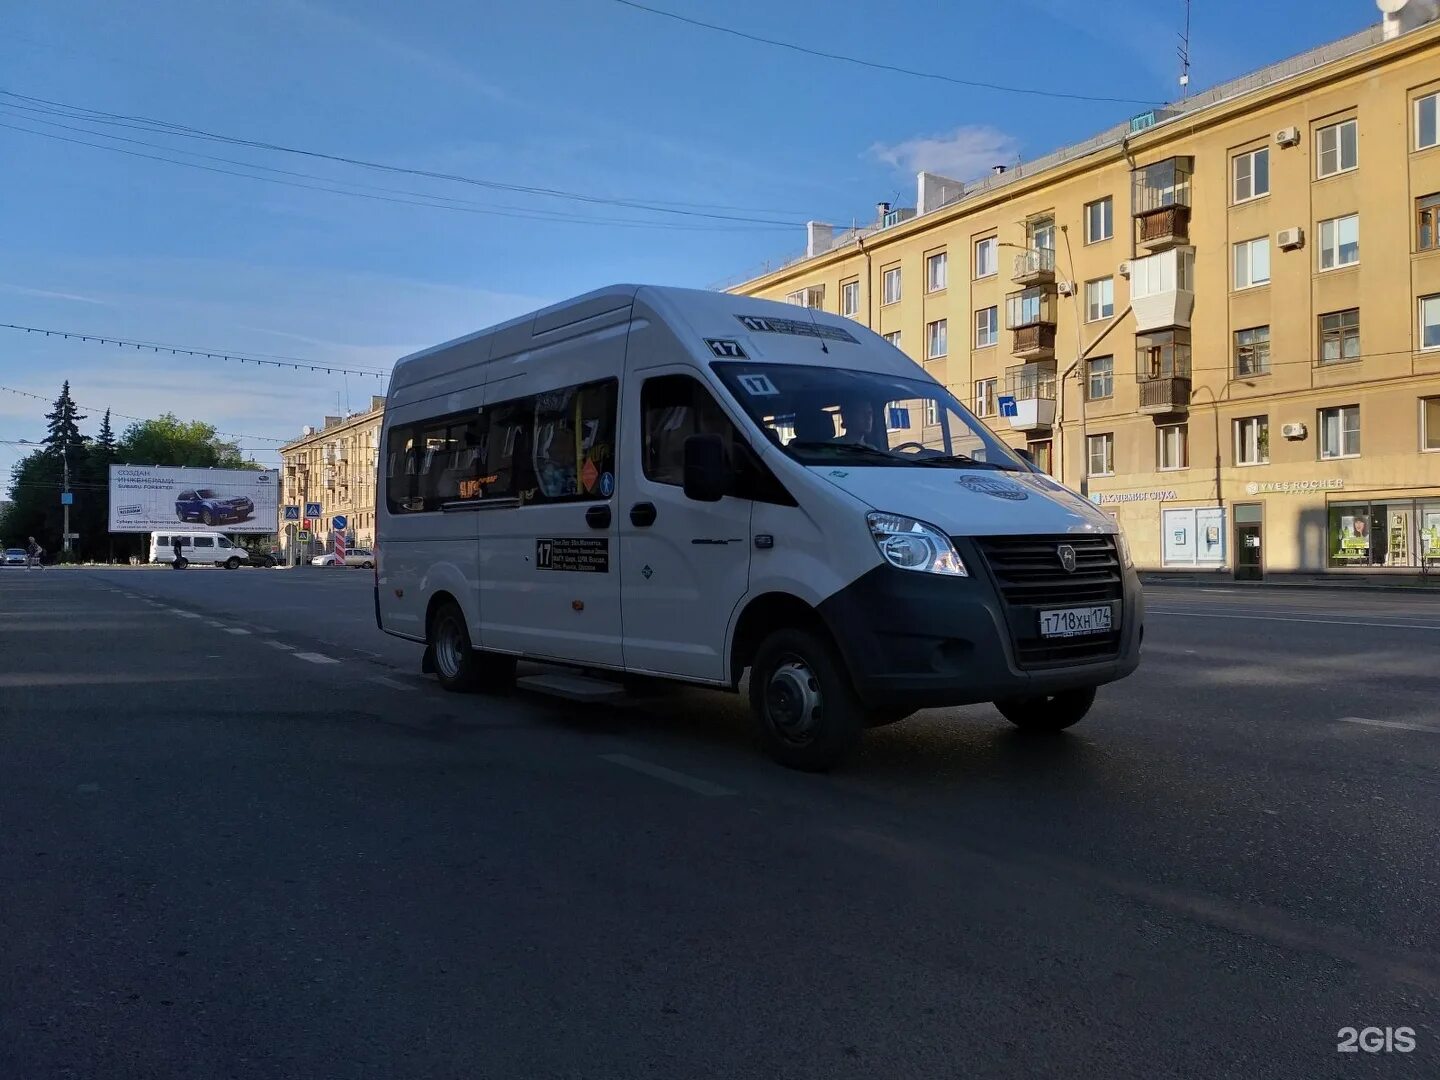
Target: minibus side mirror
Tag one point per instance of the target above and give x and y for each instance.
(708, 476)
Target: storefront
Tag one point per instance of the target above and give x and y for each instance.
(1399, 533)
(1193, 536)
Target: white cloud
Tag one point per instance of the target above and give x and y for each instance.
(962, 154)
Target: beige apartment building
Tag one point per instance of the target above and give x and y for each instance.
(334, 466)
(1220, 321)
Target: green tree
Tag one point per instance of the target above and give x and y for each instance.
(105, 443)
(168, 440)
(62, 423)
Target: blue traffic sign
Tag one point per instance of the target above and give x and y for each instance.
(1007, 405)
(338, 523)
(312, 510)
(67, 498)
(292, 513)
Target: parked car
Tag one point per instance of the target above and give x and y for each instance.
(361, 557)
(208, 507)
(14, 556)
(254, 557)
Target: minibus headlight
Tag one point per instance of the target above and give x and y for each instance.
(913, 545)
(1124, 550)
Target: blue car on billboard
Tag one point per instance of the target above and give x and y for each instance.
(209, 508)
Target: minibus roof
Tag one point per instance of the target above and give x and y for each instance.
(715, 324)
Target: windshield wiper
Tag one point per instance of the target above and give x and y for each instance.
(847, 448)
(966, 461)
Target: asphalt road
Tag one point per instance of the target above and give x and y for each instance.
(240, 836)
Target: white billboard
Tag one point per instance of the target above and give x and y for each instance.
(146, 498)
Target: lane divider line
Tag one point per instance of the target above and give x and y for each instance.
(670, 776)
(280, 645)
(1278, 618)
(235, 630)
(1396, 725)
(315, 658)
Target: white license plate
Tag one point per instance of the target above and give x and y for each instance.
(1073, 622)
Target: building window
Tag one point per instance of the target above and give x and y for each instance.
(1099, 220)
(812, 296)
(932, 412)
(1430, 423)
(1040, 232)
(984, 397)
(893, 338)
(1252, 262)
(1040, 454)
(1340, 432)
(850, 299)
(1340, 336)
(1252, 352)
(1173, 446)
(1250, 175)
(987, 257)
(1099, 299)
(1338, 148)
(937, 271)
(1340, 242)
(935, 335)
(890, 286)
(1100, 378)
(1252, 440)
(1430, 322)
(1100, 454)
(1425, 129)
(987, 327)
(1427, 223)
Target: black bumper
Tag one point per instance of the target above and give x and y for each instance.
(923, 641)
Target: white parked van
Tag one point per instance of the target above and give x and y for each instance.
(691, 485)
(199, 548)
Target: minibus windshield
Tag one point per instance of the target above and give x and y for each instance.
(820, 416)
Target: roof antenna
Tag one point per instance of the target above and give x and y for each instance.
(1184, 50)
(815, 324)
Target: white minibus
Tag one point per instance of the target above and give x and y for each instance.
(199, 548)
(693, 485)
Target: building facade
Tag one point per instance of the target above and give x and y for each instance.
(335, 466)
(1220, 321)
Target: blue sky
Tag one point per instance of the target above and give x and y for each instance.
(583, 95)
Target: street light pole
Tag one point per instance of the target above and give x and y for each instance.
(65, 496)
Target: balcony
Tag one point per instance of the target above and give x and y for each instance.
(1027, 399)
(1165, 397)
(1030, 315)
(1162, 289)
(1160, 194)
(1162, 370)
(1034, 267)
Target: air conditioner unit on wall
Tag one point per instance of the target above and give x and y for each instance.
(1290, 239)
(1293, 431)
(1288, 136)
(1065, 288)
(1125, 269)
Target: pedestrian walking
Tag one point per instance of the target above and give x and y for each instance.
(179, 563)
(34, 554)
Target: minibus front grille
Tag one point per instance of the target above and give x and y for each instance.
(1031, 577)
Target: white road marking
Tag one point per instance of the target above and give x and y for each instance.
(235, 630)
(280, 645)
(187, 614)
(316, 658)
(670, 776)
(394, 684)
(1334, 621)
(1397, 725)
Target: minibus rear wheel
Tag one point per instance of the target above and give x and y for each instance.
(1048, 712)
(809, 715)
(457, 665)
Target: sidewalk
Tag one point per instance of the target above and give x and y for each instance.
(1408, 583)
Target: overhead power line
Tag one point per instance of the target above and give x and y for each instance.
(876, 65)
(165, 127)
(96, 410)
(327, 184)
(262, 359)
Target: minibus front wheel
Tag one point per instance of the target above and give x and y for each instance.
(456, 664)
(1048, 712)
(809, 715)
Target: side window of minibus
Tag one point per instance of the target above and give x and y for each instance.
(574, 442)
